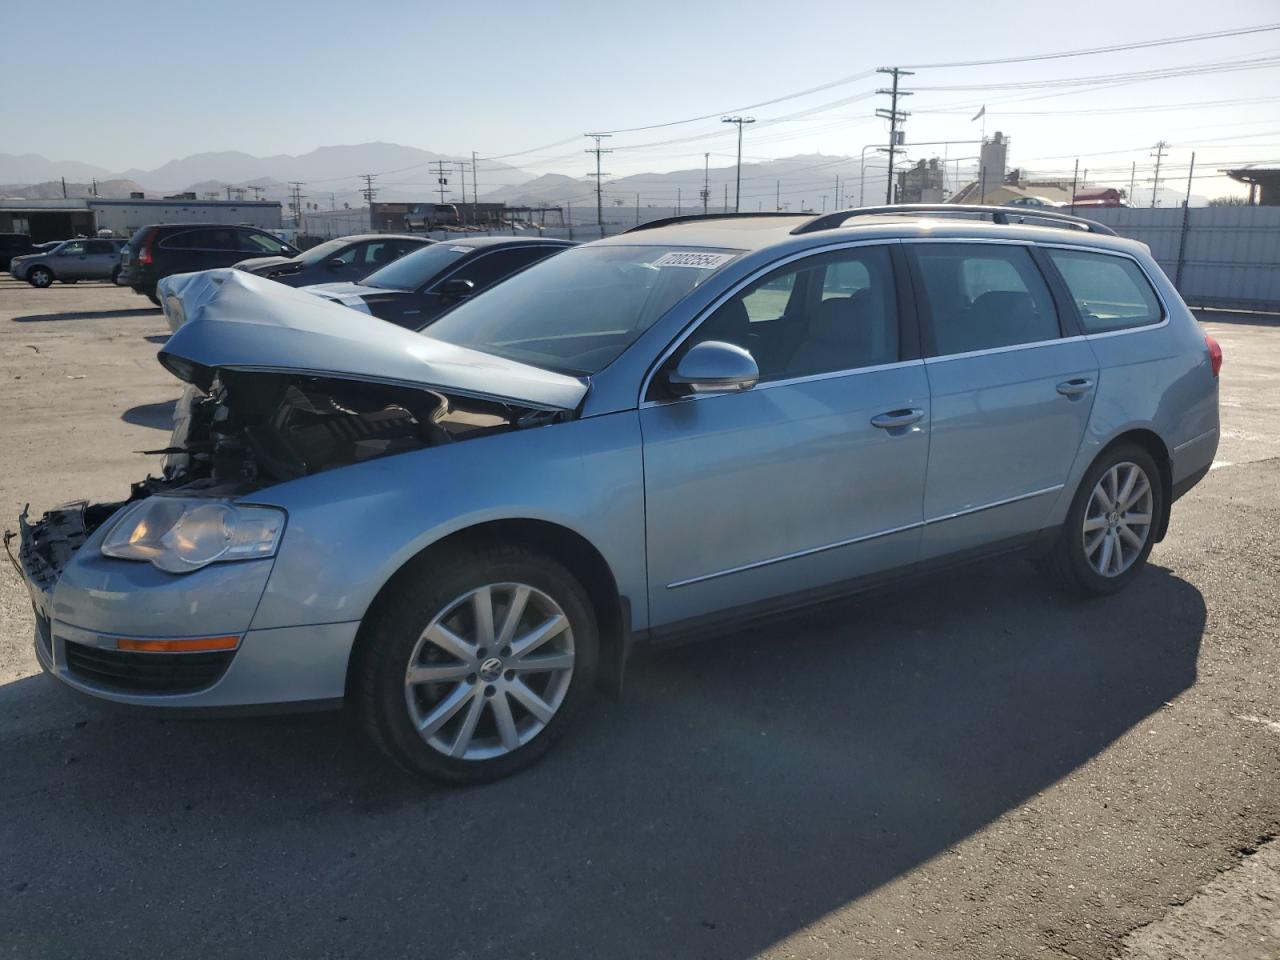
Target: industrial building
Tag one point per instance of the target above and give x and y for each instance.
(61, 219)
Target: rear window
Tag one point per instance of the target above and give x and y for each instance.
(1110, 292)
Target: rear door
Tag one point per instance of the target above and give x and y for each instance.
(1011, 388)
(100, 259)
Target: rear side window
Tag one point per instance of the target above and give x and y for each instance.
(259, 243)
(99, 247)
(187, 240)
(1110, 293)
(984, 296)
(489, 268)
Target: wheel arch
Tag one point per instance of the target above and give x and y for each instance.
(26, 274)
(1153, 444)
(576, 552)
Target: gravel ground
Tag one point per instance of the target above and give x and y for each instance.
(967, 767)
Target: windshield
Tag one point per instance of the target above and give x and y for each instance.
(413, 270)
(576, 312)
(321, 253)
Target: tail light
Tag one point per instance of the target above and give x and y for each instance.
(144, 255)
(1215, 354)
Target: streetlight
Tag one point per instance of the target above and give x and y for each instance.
(862, 166)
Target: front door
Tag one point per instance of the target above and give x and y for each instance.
(814, 476)
(1011, 394)
(100, 259)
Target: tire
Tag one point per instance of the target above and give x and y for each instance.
(40, 277)
(485, 714)
(152, 296)
(115, 275)
(1075, 564)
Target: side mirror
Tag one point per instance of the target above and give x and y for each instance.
(457, 289)
(334, 264)
(714, 366)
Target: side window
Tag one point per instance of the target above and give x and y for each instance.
(100, 247)
(984, 296)
(74, 248)
(1110, 292)
(372, 255)
(489, 268)
(259, 244)
(824, 314)
(190, 240)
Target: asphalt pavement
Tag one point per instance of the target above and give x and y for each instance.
(970, 766)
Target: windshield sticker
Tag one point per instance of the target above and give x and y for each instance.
(695, 259)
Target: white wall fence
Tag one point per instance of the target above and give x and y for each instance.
(1216, 256)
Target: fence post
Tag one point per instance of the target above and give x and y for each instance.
(1186, 224)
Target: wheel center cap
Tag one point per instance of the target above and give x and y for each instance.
(491, 669)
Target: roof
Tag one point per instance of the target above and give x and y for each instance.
(750, 232)
(1001, 193)
(504, 241)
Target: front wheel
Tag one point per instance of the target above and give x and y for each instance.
(477, 662)
(1110, 528)
(40, 277)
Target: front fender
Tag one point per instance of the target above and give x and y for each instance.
(352, 528)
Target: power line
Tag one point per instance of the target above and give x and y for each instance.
(1112, 48)
(1136, 76)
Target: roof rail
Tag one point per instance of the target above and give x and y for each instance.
(698, 217)
(1001, 215)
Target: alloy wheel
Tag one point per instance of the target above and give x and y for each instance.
(489, 671)
(1117, 520)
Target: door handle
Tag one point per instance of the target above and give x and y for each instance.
(1076, 387)
(897, 418)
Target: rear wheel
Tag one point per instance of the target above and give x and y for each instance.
(1110, 528)
(477, 663)
(115, 275)
(40, 277)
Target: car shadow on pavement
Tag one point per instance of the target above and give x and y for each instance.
(86, 315)
(743, 789)
(158, 416)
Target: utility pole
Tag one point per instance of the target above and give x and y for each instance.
(475, 185)
(737, 193)
(369, 193)
(894, 116)
(442, 182)
(836, 194)
(295, 202)
(462, 172)
(637, 209)
(64, 188)
(678, 199)
(1133, 173)
(599, 175)
(1190, 175)
(777, 195)
(726, 198)
(1075, 175)
(228, 191)
(1161, 147)
(706, 182)
(95, 186)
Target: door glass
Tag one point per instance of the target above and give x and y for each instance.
(100, 247)
(74, 248)
(260, 245)
(984, 296)
(1111, 293)
(824, 314)
(489, 268)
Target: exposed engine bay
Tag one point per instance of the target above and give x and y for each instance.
(249, 430)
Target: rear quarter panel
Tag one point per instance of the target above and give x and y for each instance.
(1158, 379)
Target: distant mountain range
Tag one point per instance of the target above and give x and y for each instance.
(324, 170)
(330, 178)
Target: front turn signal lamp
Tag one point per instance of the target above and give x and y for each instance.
(184, 534)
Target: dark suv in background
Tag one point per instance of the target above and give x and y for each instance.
(156, 251)
(13, 245)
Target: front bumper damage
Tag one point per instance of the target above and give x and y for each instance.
(91, 612)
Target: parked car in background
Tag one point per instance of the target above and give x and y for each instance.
(1098, 197)
(698, 422)
(69, 261)
(417, 288)
(345, 258)
(156, 251)
(13, 245)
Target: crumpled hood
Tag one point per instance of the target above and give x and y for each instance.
(234, 320)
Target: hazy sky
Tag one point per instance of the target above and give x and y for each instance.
(135, 83)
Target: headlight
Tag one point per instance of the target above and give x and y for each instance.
(181, 534)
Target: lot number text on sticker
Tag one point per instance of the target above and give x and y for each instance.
(692, 258)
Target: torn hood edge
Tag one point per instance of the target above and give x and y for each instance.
(234, 320)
